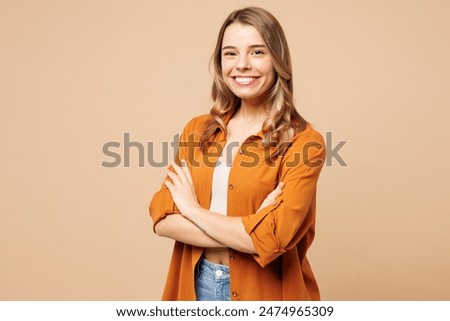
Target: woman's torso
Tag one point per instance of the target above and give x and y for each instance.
(237, 133)
(254, 277)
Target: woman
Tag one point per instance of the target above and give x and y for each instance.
(240, 199)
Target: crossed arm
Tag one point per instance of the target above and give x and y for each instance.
(198, 226)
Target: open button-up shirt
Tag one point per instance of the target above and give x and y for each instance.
(281, 232)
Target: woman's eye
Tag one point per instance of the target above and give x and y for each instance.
(258, 52)
(229, 53)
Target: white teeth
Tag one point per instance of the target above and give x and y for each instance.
(244, 80)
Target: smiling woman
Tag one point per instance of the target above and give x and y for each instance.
(243, 221)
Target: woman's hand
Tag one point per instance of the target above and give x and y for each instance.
(183, 192)
(271, 197)
(182, 188)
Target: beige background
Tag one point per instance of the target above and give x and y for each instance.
(77, 74)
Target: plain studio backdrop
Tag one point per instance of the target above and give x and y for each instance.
(76, 75)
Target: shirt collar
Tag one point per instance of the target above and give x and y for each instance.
(221, 135)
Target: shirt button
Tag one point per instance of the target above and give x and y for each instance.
(219, 272)
(230, 186)
(232, 257)
(234, 294)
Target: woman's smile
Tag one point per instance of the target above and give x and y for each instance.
(245, 81)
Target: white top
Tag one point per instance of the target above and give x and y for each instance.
(219, 189)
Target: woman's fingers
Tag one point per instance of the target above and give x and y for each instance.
(280, 186)
(182, 191)
(180, 173)
(187, 172)
(169, 185)
(272, 196)
(174, 177)
(277, 191)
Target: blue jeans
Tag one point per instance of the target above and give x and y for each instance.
(212, 281)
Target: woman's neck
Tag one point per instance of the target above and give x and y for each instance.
(251, 113)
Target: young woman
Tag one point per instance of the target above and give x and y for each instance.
(240, 199)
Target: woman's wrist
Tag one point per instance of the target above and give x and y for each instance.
(193, 213)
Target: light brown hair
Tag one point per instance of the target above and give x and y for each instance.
(284, 120)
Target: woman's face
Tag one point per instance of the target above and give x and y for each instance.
(247, 67)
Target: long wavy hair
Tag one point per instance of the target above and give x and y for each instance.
(284, 121)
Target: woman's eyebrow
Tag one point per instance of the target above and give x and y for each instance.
(252, 47)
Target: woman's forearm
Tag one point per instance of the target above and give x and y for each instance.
(227, 230)
(178, 228)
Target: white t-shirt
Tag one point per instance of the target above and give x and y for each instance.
(219, 190)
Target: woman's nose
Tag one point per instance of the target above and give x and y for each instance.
(243, 63)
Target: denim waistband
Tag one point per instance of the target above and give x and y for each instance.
(213, 268)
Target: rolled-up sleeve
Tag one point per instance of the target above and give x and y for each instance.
(161, 205)
(280, 226)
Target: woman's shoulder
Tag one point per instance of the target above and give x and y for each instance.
(307, 147)
(197, 123)
(308, 134)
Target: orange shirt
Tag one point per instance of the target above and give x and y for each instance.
(281, 232)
